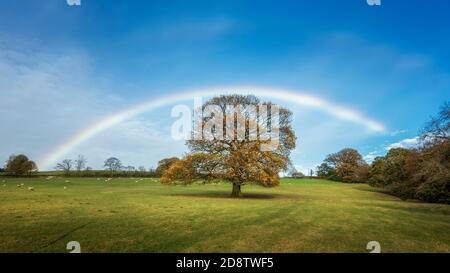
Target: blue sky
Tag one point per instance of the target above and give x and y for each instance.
(64, 67)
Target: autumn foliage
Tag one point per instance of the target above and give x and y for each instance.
(422, 172)
(230, 152)
(346, 165)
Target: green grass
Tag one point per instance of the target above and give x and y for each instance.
(123, 215)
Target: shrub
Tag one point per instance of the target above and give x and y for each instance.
(434, 174)
(402, 189)
(434, 192)
(297, 174)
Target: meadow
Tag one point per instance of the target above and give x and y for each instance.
(141, 215)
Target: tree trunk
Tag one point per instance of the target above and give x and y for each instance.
(236, 190)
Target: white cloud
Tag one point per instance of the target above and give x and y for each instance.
(47, 98)
(136, 142)
(370, 157)
(398, 132)
(405, 143)
(381, 151)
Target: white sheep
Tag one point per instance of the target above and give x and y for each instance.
(30, 188)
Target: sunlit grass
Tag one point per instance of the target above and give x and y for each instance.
(140, 215)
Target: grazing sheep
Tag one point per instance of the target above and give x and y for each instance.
(65, 187)
(30, 188)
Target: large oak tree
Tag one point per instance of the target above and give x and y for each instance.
(231, 152)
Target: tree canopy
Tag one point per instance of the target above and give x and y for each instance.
(346, 165)
(230, 143)
(164, 164)
(20, 165)
(113, 164)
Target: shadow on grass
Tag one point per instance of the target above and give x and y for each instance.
(227, 195)
(409, 205)
(378, 190)
(438, 209)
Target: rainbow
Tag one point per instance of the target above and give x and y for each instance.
(290, 96)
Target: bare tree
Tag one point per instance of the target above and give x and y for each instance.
(438, 128)
(66, 165)
(80, 163)
(113, 164)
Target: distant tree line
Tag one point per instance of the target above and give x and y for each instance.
(107, 173)
(20, 165)
(420, 173)
(113, 168)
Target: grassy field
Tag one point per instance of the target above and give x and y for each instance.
(127, 215)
